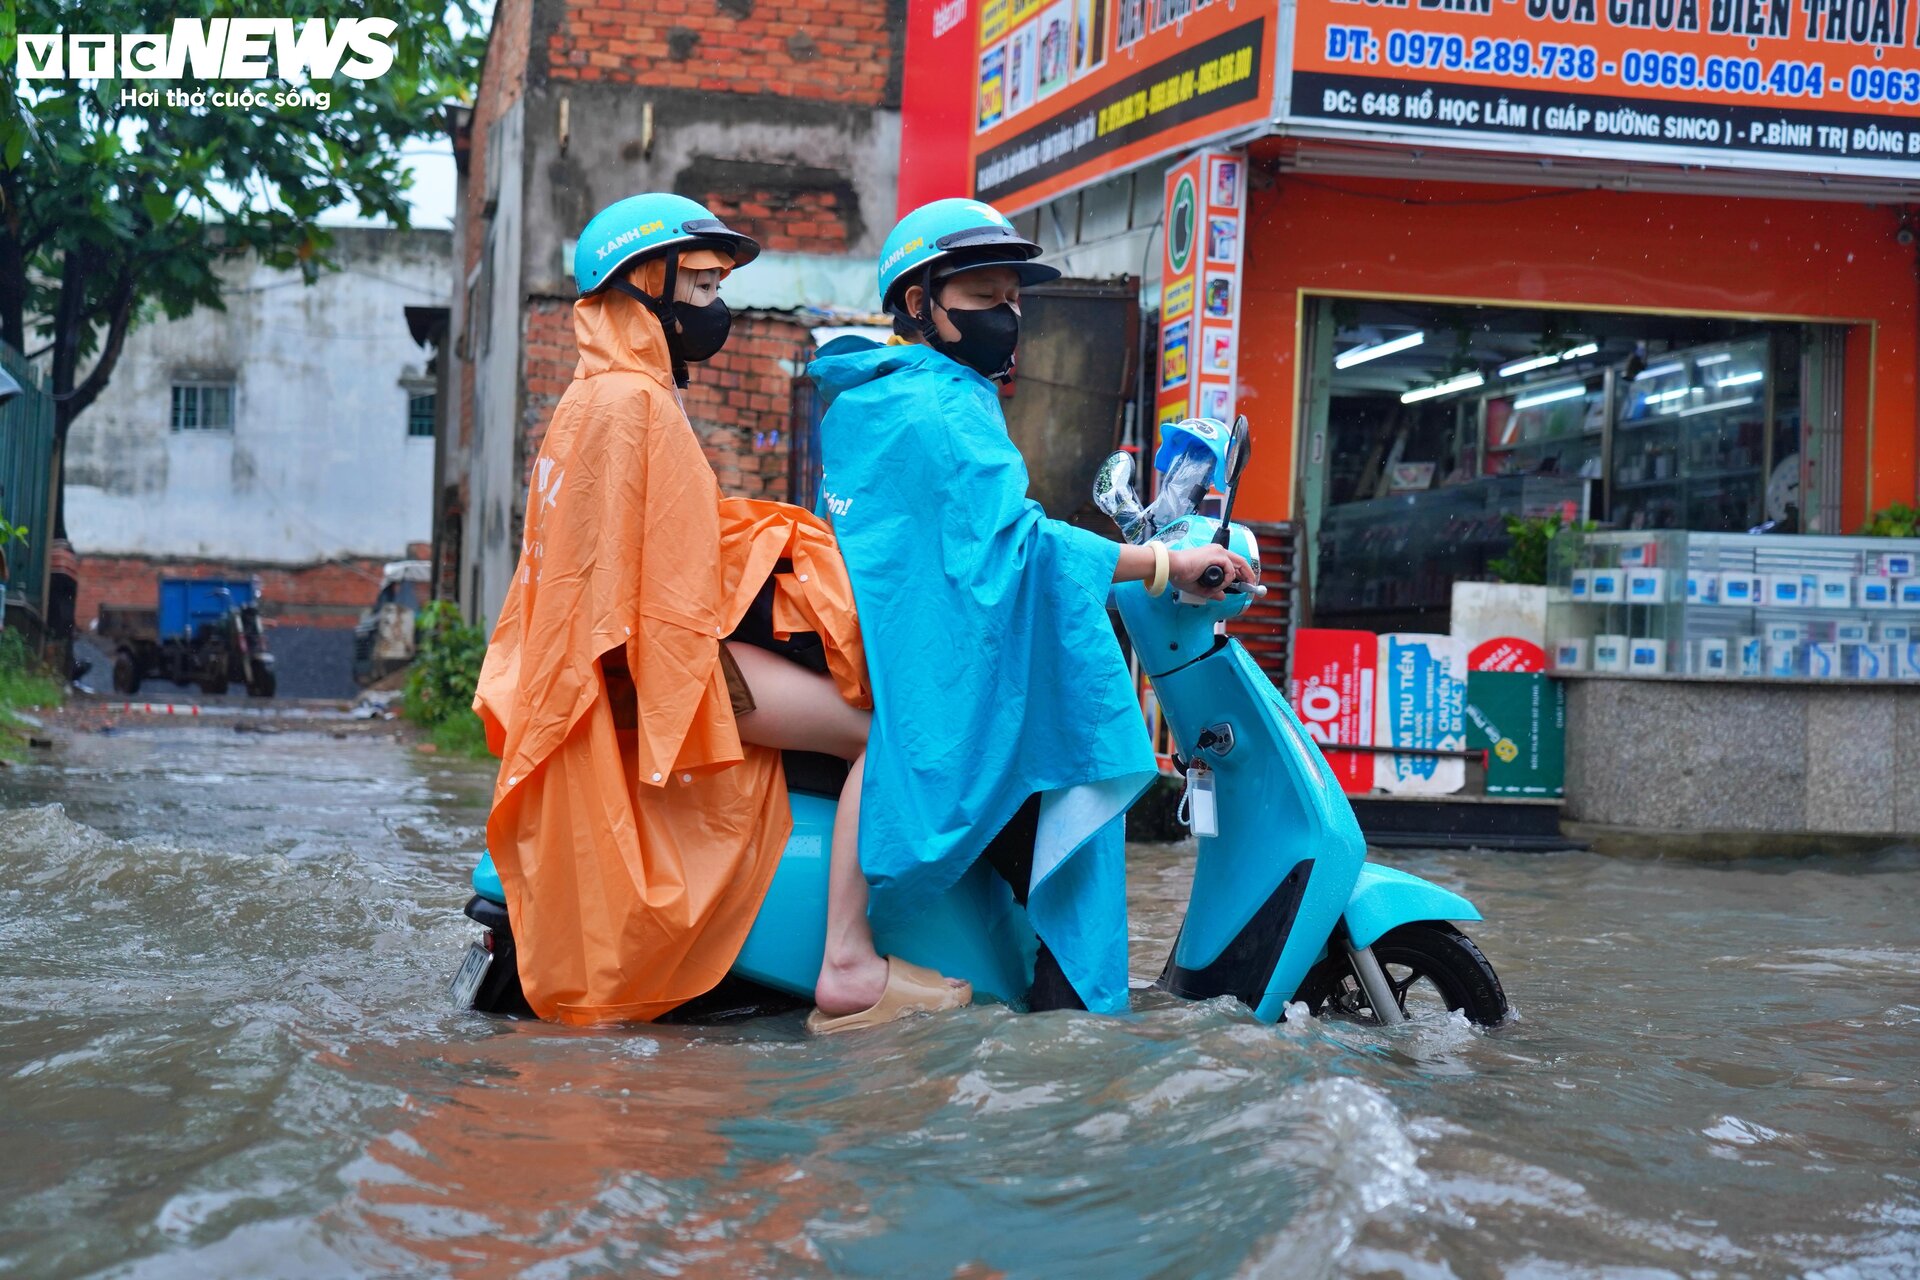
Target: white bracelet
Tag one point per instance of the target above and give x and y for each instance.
(1162, 566)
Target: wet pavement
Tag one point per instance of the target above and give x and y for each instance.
(225, 1051)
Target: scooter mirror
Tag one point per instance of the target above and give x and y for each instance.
(1238, 450)
(1113, 493)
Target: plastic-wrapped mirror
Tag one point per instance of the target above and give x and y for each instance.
(1113, 493)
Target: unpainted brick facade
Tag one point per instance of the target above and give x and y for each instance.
(825, 51)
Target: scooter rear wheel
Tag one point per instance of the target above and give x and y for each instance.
(1428, 966)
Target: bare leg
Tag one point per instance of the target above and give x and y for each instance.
(798, 710)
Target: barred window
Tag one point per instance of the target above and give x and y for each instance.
(202, 406)
(420, 415)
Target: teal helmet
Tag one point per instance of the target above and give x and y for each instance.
(647, 224)
(954, 235)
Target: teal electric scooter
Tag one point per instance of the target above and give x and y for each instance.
(1284, 905)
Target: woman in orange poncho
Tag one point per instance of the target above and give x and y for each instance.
(641, 806)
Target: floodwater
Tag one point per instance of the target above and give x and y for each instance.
(225, 1051)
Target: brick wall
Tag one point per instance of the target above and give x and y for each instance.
(551, 357)
(740, 402)
(330, 594)
(784, 221)
(833, 51)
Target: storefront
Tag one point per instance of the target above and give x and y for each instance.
(1482, 256)
(1648, 265)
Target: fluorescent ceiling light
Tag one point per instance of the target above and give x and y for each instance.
(1360, 355)
(1722, 358)
(1741, 379)
(1465, 382)
(1541, 362)
(1709, 408)
(1527, 366)
(1678, 393)
(1659, 371)
(1549, 397)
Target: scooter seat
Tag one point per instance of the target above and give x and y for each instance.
(815, 774)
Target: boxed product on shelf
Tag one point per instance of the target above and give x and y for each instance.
(1784, 660)
(1834, 590)
(1906, 592)
(1609, 586)
(1703, 587)
(1610, 653)
(1853, 631)
(1778, 632)
(1711, 656)
(1580, 586)
(1739, 588)
(1904, 661)
(1647, 657)
(1872, 592)
(1898, 564)
(1752, 654)
(1893, 632)
(1570, 654)
(1646, 586)
(1786, 590)
(1869, 661)
(1823, 659)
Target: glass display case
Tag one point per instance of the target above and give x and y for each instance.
(1736, 606)
(1690, 442)
(1402, 554)
(1557, 426)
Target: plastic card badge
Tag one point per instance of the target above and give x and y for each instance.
(1203, 817)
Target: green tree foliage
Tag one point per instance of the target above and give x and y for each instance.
(448, 652)
(110, 211)
(1534, 541)
(1896, 521)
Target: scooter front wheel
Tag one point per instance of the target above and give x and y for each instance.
(1431, 966)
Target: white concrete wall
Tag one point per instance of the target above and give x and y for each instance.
(496, 339)
(318, 464)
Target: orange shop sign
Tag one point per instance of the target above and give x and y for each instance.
(1832, 85)
(1067, 91)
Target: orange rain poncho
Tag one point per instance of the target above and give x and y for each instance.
(634, 860)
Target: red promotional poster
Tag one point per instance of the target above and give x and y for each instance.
(1507, 653)
(1333, 686)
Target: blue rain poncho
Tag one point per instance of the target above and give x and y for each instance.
(996, 673)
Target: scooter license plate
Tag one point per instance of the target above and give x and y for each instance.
(473, 971)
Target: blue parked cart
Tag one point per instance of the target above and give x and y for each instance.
(205, 631)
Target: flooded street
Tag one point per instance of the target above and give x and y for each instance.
(225, 1050)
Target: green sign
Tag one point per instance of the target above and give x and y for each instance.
(1519, 718)
(1180, 225)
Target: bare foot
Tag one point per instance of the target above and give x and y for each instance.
(850, 986)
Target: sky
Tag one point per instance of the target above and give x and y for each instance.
(432, 193)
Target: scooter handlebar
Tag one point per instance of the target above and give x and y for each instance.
(1213, 575)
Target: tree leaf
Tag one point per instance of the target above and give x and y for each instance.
(159, 206)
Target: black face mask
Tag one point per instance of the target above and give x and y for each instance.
(698, 333)
(987, 339)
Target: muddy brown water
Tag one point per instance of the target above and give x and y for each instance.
(225, 1051)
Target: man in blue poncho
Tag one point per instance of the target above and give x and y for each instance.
(1002, 702)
